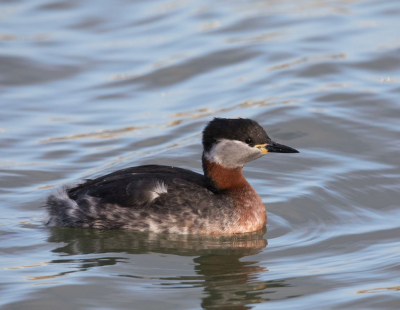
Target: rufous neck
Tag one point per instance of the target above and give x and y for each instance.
(223, 178)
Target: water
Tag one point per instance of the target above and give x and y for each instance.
(91, 87)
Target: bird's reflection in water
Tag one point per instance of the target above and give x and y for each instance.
(228, 282)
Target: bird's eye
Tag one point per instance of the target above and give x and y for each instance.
(248, 141)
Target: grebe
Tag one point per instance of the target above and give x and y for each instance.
(165, 199)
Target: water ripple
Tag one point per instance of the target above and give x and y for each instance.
(87, 89)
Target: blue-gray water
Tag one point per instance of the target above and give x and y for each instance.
(88, 87)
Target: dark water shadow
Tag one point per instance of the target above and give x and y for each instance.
(227, 281)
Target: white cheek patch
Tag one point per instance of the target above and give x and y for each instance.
(232, 153)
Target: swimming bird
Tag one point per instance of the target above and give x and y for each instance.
(164, 199)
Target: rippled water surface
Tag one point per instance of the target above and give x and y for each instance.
(88, 87)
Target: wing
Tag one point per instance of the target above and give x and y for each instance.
(137, 186)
